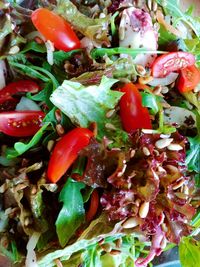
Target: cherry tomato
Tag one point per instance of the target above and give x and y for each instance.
(94, 203)
(14, 88)
(170, 62)
(66, 151)
(20, 123)
(133, 115)
(55, 29)
(188, 79)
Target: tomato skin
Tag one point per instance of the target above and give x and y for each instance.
(173, 61)
(66, 151)
(94, 204)
(133, 115)
(55, 29)
(20, 123)
(188, 79)
(14, 88)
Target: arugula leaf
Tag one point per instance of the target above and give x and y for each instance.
(20, 148)
(172, 7)
(72, 213)
(165, 36)
(84, 105)
(189, 252)
(33, 46)
(100, 52)
(60, 56)
(151, 101)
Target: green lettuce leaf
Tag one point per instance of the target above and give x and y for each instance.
(72, 214)
(172, 7)
(189, 252)
(84, 105)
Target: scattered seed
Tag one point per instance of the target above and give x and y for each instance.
(33, 190)
(106, 247)
(137, 202)
(174, 147)
(58, 263)
(155, 6)
(122, 171)
(164, 227)
(115, 252)
(165, 136)
(197, 89)
(161, 169)
(3, 188)
(101, 241)
(178, 184)
(172, 168)
(165, 90)
(141, 70)
(157, 90)
(110, 113)
(14, 50)
(163, 243)
(162, 143)
(118, 243)
(149, 4)
(145, 80)
(50, 145)
(58, 115)
(28, 221)
(60, 130)
(130, 223)
(156, 152)
(110, 126)
(144, 209)
(132, 153)
(148, 131)
(186, 190)
(146, 151)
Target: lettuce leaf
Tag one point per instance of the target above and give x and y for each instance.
(87, 104)
(189, 252)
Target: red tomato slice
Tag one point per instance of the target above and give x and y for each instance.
(20, 123)
(133, 115)
(189, 78)
(55, 29)
(14, 88)
(66, 151)
(170, 62)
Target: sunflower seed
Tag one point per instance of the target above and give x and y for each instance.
(115, 252)
(145, 80)
(178, 184)
(157, 90)
(155, 6)
(141, 70)
(149, 4)
(144, 209)
(110, 126)
(50, 145)
(60, 130)
(146, 151)
(174, 147)
(164, 227)
(14, 50)
(106, 247)
(130, 223)
(165, 90)
(162, 143)
(163, 243)
(110, 113)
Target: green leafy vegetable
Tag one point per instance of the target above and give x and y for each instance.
(189, 252)
(87, 26)
(60, 56)
(100, 52)
(33, 46)
(172, 7)
(72, 213)
(20, 148)
(151, 101)
(84, 105)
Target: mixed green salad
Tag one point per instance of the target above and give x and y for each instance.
(99, 133)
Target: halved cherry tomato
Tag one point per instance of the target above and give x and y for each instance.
(133, 115)
(14, 88)
(66, 151)
(94, 203)
(20, 123)
(170, 62)
(55, 29)
(188, 79)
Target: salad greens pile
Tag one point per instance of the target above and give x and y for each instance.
(132, 185)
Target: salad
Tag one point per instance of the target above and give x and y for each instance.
(99, 133)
